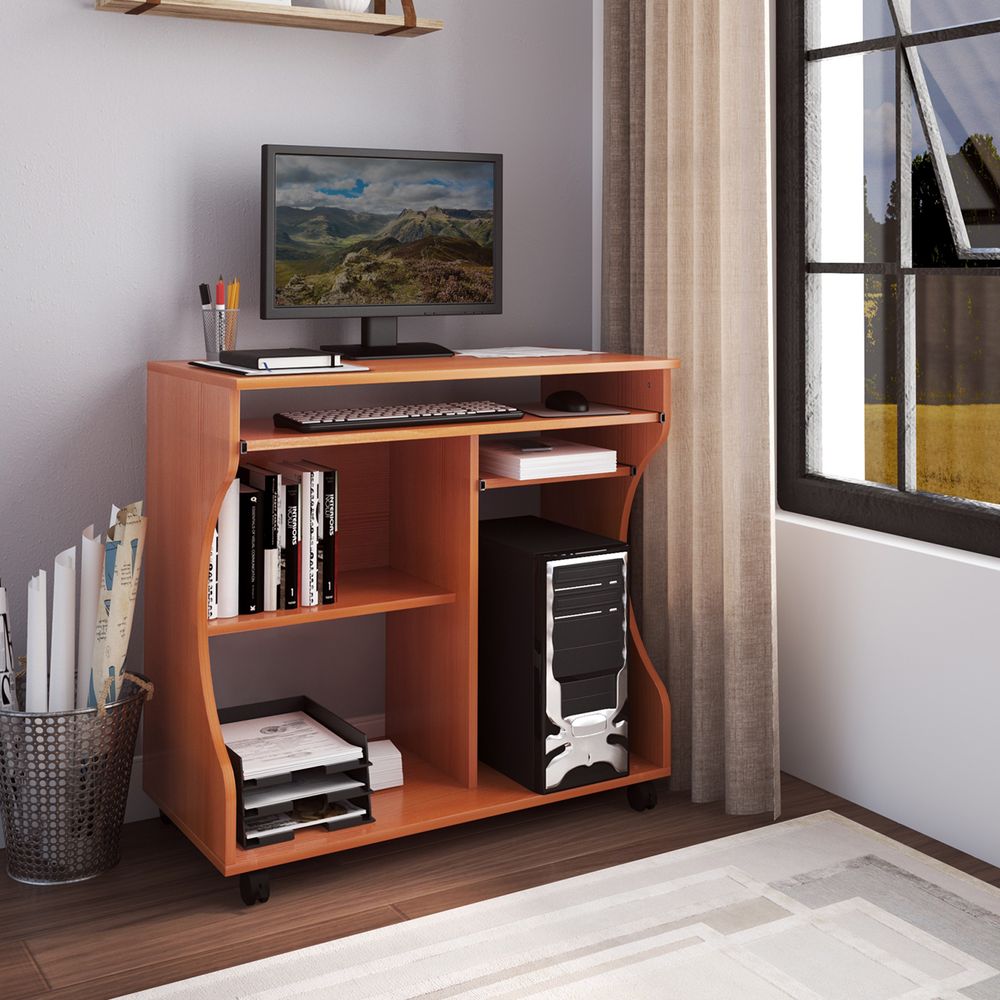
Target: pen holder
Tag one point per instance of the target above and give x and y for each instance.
(220, 331)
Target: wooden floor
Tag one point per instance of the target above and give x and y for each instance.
(164, 914)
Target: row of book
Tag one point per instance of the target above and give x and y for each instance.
(275, 543)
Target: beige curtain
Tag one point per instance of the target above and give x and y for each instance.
(687, 274)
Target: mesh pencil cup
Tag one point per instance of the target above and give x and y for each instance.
(220, 331)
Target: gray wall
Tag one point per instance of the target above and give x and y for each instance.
(130, 172)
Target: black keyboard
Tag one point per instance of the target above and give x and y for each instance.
(403, 415)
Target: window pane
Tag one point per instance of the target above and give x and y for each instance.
(836, 22)
(851, 377)
(851, 157)
(958, 386)
(963, 79)
(930, 14)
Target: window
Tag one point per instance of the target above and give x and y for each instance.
(888, 181)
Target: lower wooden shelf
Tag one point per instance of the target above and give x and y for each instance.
(428, 801)
(503, 483)
(359, 592)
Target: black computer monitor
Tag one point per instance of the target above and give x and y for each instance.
(380, 234)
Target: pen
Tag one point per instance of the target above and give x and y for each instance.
(206, 296)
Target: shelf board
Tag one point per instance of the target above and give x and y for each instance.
(276, 15)
(359, 592)
(503, 483)
(260, 434)
(428, 800)
(409, 370)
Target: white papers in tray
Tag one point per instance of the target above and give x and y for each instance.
(387, 765)
(272, 795)
(278, 744)
(567, 458)
(268, 826)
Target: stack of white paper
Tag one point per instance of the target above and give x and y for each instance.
(279, 744)
(387, 765)
(566, 458)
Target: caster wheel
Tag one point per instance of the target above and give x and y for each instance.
(642, 797)
(165, 819)
(255, 888)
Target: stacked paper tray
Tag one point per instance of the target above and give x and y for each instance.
(297, 765)
(565, 458)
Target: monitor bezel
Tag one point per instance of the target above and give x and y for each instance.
(268, 308)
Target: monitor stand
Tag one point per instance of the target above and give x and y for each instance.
(379, 341)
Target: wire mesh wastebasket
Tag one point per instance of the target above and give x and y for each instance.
(64, 780)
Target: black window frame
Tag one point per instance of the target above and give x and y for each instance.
(953, 522)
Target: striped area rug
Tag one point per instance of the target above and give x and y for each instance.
(814, 909)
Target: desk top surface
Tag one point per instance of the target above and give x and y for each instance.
(423, 370)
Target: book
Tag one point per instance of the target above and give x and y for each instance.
(213, 576)
(280, 358)
(312, 485)
(251, 552)
(329, 518)
(229, 552)
(269, 483)
(310, 506)
(291, 548)
(564, 458)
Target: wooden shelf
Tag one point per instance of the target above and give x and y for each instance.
(503, 483)
(276, 15)
(409, 370)
(261, 434)
(428, 800)
(359, 592)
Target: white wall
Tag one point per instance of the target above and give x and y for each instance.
(889, 674)
(889, 661)
(130, 172)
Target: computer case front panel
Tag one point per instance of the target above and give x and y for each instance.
(553, 673)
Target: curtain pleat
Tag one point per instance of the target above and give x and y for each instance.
(687, 273)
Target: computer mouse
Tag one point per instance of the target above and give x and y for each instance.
(567, 400)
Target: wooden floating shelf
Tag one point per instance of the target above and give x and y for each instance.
(503, 483)
(359, 592)
(275, 15)
(261, 434)
(428, 800)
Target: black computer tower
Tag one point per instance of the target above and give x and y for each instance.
(553, 651)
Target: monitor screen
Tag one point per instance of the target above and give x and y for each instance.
(362, 232)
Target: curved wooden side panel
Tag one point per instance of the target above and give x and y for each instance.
(192, 435)
(604, 506)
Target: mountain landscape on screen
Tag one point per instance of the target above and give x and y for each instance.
(353, 231)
